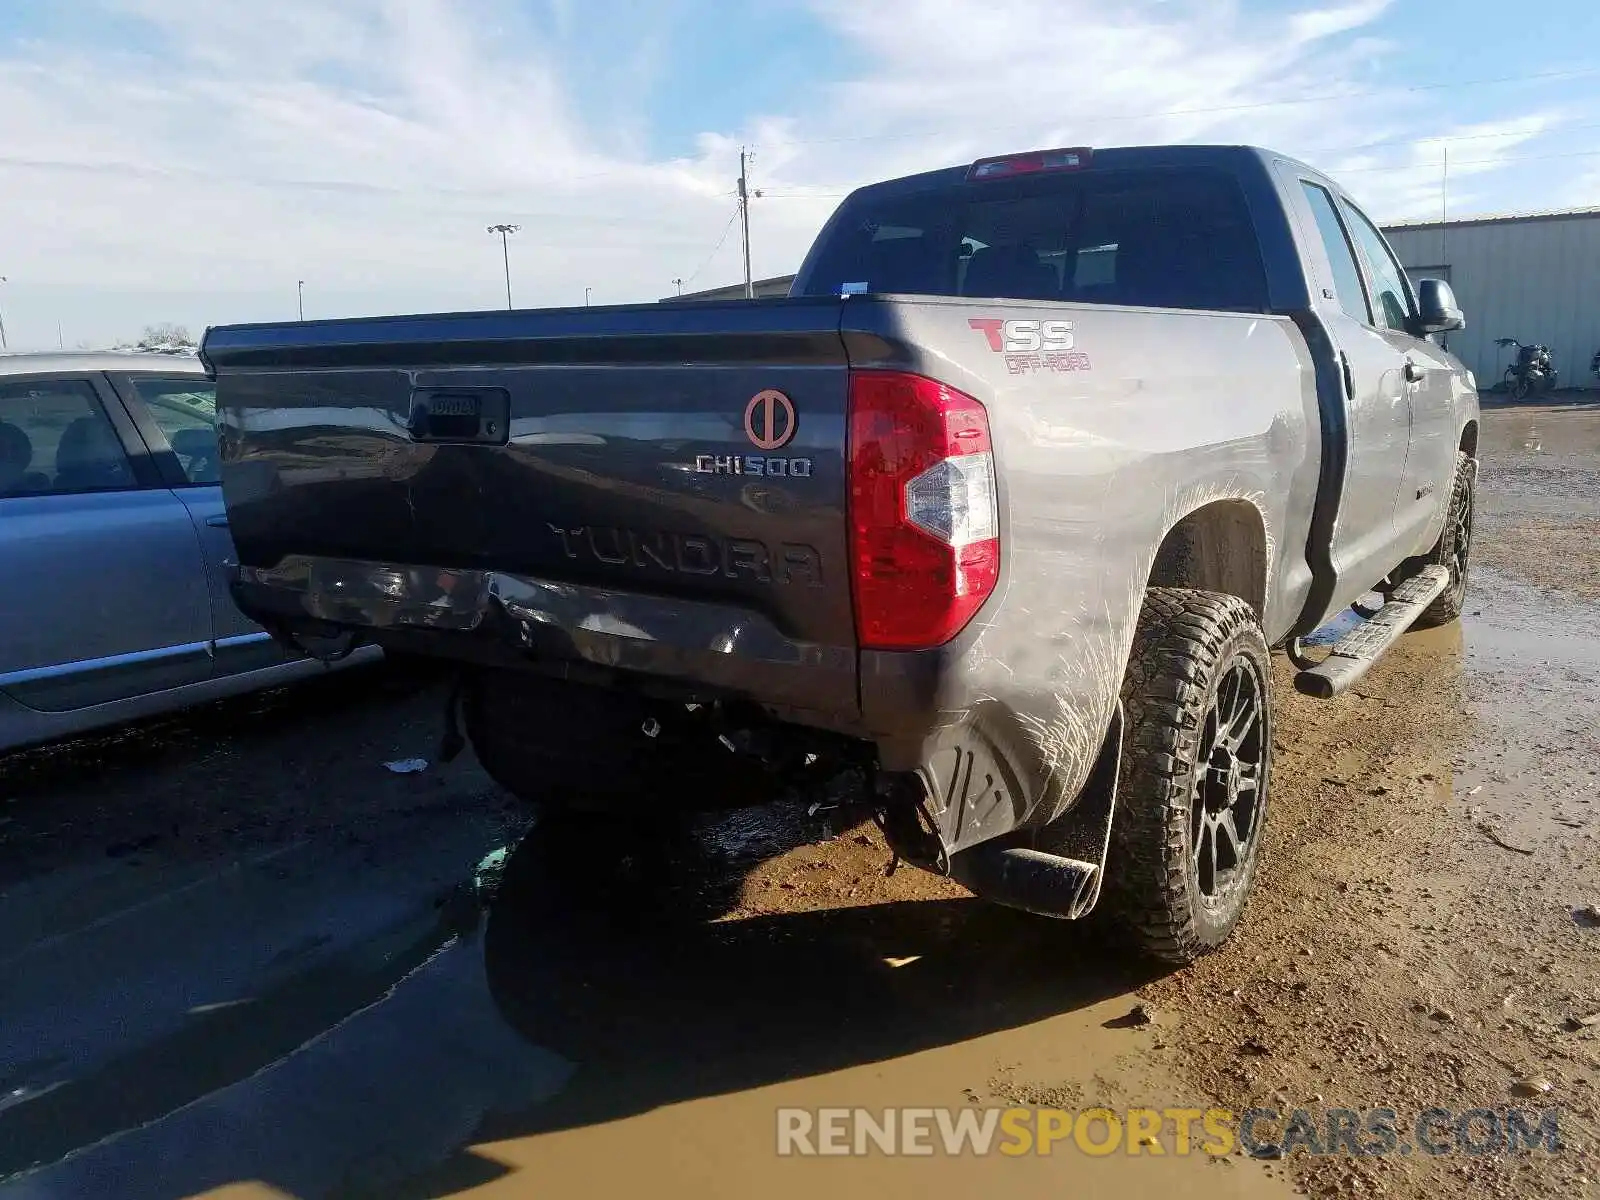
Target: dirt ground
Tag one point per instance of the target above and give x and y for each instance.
(240, 957)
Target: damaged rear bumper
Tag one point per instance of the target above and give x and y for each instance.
(495, 618)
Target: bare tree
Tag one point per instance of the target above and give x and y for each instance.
(166, 338)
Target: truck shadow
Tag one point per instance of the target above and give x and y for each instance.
(657, 1001)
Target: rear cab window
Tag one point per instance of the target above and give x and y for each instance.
(1169, 237)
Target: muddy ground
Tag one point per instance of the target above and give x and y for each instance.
(239, 957)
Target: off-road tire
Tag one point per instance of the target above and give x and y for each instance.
(554, 743)
(1452, 550)
(1187, 643)
(572, 746)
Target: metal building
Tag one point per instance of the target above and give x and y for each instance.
(778, 285)
(1531, 276)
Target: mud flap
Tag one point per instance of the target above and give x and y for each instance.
(1058, 869)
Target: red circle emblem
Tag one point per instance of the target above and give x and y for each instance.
(769, 420)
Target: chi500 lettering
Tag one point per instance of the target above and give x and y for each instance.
(753, 464)
(1024, 337)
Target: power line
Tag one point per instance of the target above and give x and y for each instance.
(1447, 138)
(1391, 167)
(1254, 106)
(1468, 162)
(721, 241)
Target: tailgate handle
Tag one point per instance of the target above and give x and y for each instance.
(460, 414)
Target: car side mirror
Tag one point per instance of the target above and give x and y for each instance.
(1437, 310)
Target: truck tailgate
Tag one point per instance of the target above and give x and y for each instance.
(689, 458)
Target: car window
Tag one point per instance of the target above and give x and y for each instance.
(185, 410)
(54, 438)
(1168, 237)
(1351, 295)
(1390, 292)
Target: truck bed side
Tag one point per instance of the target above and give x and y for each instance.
(1156, 421)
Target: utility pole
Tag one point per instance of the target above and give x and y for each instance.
(679, 284)
(505, 253)
(744, 217)
(586, 292)
(3, 344)
(300, 288)
(1444, 202)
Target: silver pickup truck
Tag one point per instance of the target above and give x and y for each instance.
(1003, 507)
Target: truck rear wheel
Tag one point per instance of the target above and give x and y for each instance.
(571, 746)
(1196, 766)
(554, 743)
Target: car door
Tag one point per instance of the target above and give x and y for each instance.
(1367, 544)
(102, 588)
(1429, 377)
(176, 413)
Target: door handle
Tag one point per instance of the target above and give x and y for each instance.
(1414, 373)
(217, 522)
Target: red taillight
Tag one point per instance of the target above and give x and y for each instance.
(924, 511)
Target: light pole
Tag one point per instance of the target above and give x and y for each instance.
(3, 345)
(300, 288)
(679, 285)
(586, 292)
(505, 253)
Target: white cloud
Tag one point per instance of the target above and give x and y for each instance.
(1321, 23)
(365, 149)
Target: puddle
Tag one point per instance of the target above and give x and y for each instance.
(558, 1027)
(1507, 622)
(1341, 624)
(371, 1054)
(1531, 666)
(1540, 462)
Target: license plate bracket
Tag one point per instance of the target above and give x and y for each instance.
(461, 414)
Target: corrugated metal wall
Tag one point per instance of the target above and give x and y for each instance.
(1536, 279)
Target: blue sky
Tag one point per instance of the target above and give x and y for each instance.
(189, 160)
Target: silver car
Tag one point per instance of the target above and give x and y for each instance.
(114, 546)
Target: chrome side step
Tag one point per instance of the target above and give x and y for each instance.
(1364, 645)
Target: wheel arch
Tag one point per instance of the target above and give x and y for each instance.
(1219, 546)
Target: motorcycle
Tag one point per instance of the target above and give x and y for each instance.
(1534, 370)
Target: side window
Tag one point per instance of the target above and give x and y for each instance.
(1391, 295)
(185, 410)
(55, 438)
(1346, 273)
